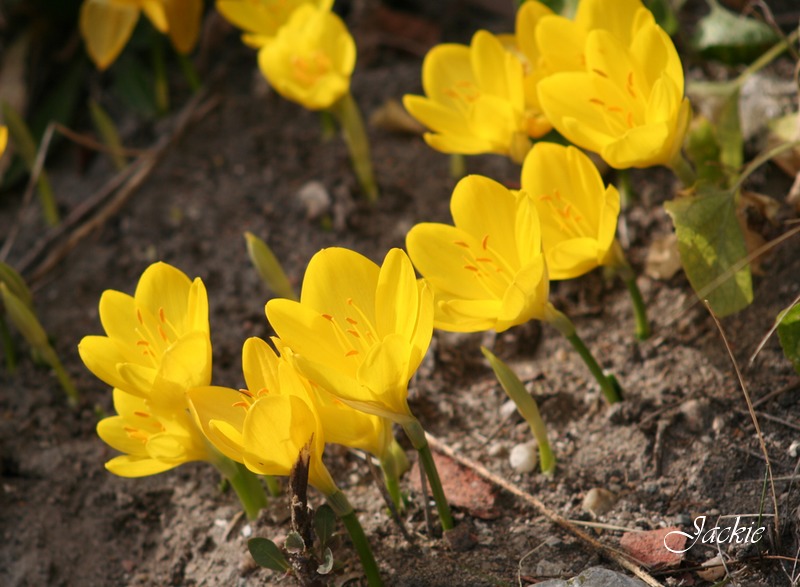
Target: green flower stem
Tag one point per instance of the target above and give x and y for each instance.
(608, 384)
(8, 347)
(350, 119)
(683, 170)
(161, 86)
(327, 123)
(625, 271)
(458, 166)
(341, 506)
(246, 485)
(416, 435)
(50, 356)
(273, 485)
(189, 72)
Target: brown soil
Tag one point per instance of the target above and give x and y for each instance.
(681, 444)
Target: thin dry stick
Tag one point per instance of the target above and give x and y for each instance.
(773, 394)
(753, 416)
(611, 553)
(146, 163)
(33, 180)
(388, 499)
(770, 332)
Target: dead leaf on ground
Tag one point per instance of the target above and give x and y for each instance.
(663, 258)
(463, 487)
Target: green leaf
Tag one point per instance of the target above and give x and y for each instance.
(324, 524)
(26, 146)
(711, 243)
(268, 267)
(16, 284)
(133, 83)
(294, 543)
(526, 405)
(789, 335)
(565, 8)
(266, 554)
(729, 132)
(327, 562)
(703, 150)
(108, 132)
(664, 13)
(731, 38)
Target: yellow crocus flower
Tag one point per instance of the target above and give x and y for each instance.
(107, 25)
(487, 271)
(310, 59)
(3, 139)
(157, 342)
(152, 440)
(267, 373)
(359, 330)
(578, 212)
(261, 19)
(474, 99)
(619, 84)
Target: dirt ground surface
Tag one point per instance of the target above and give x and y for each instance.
(681, 445)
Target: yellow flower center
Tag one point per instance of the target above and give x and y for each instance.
(623, 111)
(308, 69)
(136, 433)
(155, 338)
(464, 92)
(486, 266)
(356, 335)
(570, 222)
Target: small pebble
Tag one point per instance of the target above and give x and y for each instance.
(315, 198)
(507, 409)
(523, 457)
(793, 449)
(598, 501)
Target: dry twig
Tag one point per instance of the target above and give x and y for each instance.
(618, 557)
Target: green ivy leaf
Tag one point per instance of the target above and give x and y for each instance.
(789, 335)
(267, 554)
(731, 38)
(324, 524)
(711, 242)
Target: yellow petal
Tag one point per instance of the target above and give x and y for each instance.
(135, 466)
(423, 329)
(483, 207)
(137, 379)
(643, 146)
(163, 287)
(385, 372)
(187, 362)
(106, 27)
(437, 116)
(156, 14)
(113, 432)
(184, 18)
(526, 297)
(572, 258)
(442, 254)
(309, 334)
(220, 415)
(527, 19)
(447, 76)
(118, 315)
(170, 448)
(3, 139)
(396, 296)
(337, 280)
(497, 72)
(619, 21)
(260, 366)
(561, 43)
(459, 315)
(101, 355)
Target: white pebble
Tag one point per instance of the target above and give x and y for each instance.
(793, 452)
(315, 198)
(523, 457)
(507, 409)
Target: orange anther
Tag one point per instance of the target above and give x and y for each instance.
(462, 244)
(471, 268)
(485, 242)
(142, 414)
(351, 353)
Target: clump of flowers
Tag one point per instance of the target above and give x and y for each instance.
(157, 347)
(615, 84)
(488, 271)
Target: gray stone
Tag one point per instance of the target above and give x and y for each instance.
(595, 577)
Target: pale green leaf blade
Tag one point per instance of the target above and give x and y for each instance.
(711, 243)
(789, 335)
(267, 554)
